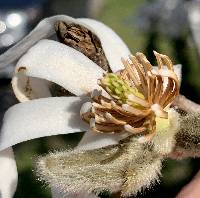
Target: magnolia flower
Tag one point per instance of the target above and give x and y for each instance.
(131, 102)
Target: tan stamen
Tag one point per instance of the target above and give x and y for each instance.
(136, 96)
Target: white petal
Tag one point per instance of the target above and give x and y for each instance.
(93, 140)
(177, 70)
(43, 30)
(112, 44)
(27, 88)
(39, 118)
(56, 62)
(8, 173)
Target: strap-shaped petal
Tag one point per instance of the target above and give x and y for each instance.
(93, 140)
(39, 118)
(43, 30)
(58, 63)
(112, 44)
(8, 173)
(177, 70)
(27, 88)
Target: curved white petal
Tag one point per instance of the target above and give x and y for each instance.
(112, 44)
(27, 88)
(39, 118)
(56, 62)
(43, 30)
(8, 173)
(92, 140)
(177, 70)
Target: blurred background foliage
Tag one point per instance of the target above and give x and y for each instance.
(167, 26)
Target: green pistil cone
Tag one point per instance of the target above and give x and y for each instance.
(119, 89)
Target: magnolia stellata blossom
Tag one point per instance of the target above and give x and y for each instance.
(131, 101)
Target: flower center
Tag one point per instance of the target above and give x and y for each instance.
(120, 89)
(131, 99)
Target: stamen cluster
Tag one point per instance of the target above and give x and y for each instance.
(133, 97)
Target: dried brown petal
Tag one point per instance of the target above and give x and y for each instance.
(83, 40)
